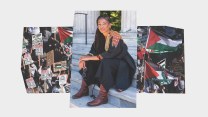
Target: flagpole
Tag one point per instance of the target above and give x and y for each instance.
(147, 38)
(144, 59)
(39, 60)
(55, 35)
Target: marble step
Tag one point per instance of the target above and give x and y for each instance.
(125, 99)
(82, 102)
(82, 50)
(90, 40)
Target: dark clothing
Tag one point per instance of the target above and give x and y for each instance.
(113, 72)
(117, 68)
(35, 58)
(92, 67)
(54, 45)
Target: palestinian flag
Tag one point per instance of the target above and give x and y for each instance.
(65, 35)
(160, 44)
(150, 71)
(165, 78)
(162, 63)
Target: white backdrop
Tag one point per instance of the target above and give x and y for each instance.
(190, 16)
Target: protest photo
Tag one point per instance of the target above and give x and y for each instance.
(46, 59)
(161, 62)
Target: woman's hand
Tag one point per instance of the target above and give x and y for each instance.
(116, 37)
(115, 42)
(81, 64)
(82, 60)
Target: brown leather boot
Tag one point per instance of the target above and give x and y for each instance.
(101, 99)
(83, 91)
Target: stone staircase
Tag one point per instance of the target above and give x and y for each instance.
(125, 99)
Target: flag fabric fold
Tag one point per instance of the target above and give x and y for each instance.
(152, 38)
(65, 36)
(150, 72)
(160, 44)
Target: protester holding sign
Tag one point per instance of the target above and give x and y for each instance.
(27, 58)
(40, 50)
(46, 76)
(62, 77)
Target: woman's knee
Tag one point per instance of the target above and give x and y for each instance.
(106, 61)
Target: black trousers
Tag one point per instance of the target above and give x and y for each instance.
(109, 73)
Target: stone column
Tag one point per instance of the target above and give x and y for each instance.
(92, 17)
(128, 21)
(79, 21)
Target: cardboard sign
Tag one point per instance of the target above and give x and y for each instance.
(30, 82)
(37, 43)
(27, 59)
(24, 50)
(39, 51)
(62, 79)
(45, 75)
(30, 90)
(54, 29)
(50, 58)
(33, 69)
(37, 37)
(59, 66)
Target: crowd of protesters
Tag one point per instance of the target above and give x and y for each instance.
(35, 68)
(155, 85)
(174, 67)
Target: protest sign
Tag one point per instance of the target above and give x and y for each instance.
(45, 74)
(27, 59)
(62, 79)
(59, 66)
(30, 82)
(50, 58)
(54, 29)
(37, 43)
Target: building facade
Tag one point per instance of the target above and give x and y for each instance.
(128, 21)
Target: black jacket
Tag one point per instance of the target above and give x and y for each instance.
(118, 52)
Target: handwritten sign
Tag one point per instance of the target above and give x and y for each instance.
(45, 75)
(37, 43)
(54, 29)
(59, 66)
(27, 59)
(62, 79)
(30, 82)
(50, 58)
